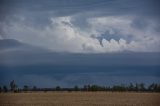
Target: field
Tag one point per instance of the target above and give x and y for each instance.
(80, 99)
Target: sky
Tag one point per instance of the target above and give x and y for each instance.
(67, 70)
(80, 26)
(75, 42)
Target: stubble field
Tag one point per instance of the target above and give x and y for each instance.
(80, 99)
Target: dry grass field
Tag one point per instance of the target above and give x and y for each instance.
(79, 99)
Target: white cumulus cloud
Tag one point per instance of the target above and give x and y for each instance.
(62, 35)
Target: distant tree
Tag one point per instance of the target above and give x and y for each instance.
(151, 87)
(0, 89)
(158, 88)
(13, 86)
(88, 87)
(131, 87)
(5, 89)
(76, 88)
(154, 87)
(93, 88)
(34, 88)
(85, 88)
(137, 87)
(142, 87)
(58, 88)
(119, 88)
(96, 88)
(107, 88)
(25, 88)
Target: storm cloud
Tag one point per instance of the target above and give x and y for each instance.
(79, 26)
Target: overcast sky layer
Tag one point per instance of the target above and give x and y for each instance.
(68, 70)
(83, 26)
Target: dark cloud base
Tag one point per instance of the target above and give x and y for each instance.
(79, 69)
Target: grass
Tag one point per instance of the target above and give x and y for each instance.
(80, 99)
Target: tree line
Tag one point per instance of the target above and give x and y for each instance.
(138, 87)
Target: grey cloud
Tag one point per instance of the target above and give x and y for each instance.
(69, 7)
(140, 24)
(39, 11)
(23, 20)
